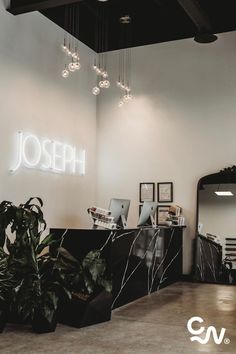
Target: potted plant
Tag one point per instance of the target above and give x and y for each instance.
(90, 284)
(6, 284)
(35, 298)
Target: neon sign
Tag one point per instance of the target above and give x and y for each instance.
(48, 155)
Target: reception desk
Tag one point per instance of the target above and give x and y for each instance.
(208, 260)
(144, 261)
(139, 261)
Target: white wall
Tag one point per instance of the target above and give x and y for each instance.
(35, 98)
(180, 127)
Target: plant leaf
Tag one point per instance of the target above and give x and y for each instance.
(32, 198)
(65, 254)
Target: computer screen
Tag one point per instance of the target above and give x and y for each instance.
(147, 216)
(119, 210)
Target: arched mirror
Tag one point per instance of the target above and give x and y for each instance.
(215, 248)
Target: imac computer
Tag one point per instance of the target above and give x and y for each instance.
(119, 210)
(147, 216)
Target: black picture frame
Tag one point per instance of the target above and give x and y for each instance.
(146, 192)
(165, 192)
(159, 207)
(140, 209)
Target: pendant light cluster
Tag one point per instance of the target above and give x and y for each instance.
(101, 44)
(70, 48)
(70, 45)
(125, 60)
(124, 80)
(99, 67)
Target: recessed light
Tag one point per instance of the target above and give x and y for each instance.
(125, 19)
(224, 194)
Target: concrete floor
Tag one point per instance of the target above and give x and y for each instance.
(152, 325)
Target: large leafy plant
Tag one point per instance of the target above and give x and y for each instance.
(6, 279)
(84, 277)
(38, 284)
(6, 284)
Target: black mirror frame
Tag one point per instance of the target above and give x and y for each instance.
(229, 176)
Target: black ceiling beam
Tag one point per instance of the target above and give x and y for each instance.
(18, 7)
(196, 14)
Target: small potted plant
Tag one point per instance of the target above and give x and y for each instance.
(90, 284)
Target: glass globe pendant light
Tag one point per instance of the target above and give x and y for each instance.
(77, 65)
(71, 66)
(124, 79)
(95, 67)
(65, 73)
(106, 84)
(105, 74)
(101, 42)
(64, 48)
(101, 84)
(96, 90)
(70, 44)
(128, 97)
(75, 55)
(121, 104)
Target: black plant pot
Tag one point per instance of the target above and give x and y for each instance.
(41, 325)
(79, 312)
(15, 318)
(3, 319)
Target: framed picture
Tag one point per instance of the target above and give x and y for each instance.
(146, 192)
(162, 213)
(165, 192)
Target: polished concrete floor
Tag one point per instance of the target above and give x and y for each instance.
(155, 324)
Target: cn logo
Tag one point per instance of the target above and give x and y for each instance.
(218, 339)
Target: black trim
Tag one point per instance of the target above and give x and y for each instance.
(171, 192)
(140, 188)
(187, 278)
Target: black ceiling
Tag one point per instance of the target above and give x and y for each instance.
(153, 21)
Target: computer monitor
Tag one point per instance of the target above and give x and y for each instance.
(119, 210)
(147, 216)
